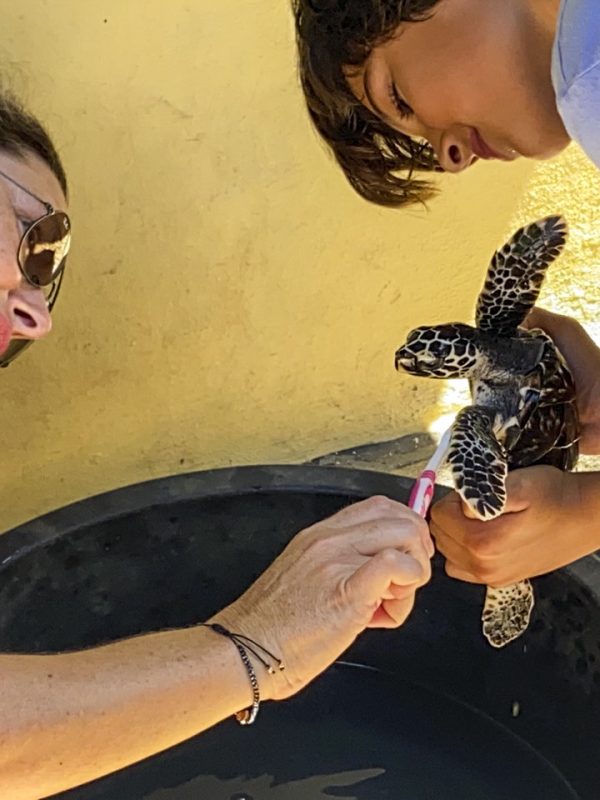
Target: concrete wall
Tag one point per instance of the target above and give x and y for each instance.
(229, 300)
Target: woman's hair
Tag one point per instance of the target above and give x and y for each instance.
(334, 36)
(21, 132)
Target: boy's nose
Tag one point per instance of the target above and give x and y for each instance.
(454, 152)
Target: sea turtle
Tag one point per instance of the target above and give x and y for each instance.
(523, 394)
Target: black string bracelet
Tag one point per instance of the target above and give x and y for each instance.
(243, 644)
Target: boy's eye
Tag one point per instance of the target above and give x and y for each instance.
(401, 105)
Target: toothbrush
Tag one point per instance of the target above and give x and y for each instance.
(422, 492)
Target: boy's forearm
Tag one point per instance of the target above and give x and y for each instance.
(70, 718)
(588, 507)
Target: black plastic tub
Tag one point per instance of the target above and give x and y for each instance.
(427, 712)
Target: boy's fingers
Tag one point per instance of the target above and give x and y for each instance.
(460, 574)
(449, 548)
(467, 510)
(447, 518)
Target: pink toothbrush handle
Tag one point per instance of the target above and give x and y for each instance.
(422, 493)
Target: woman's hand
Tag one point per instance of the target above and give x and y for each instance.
(358, 569)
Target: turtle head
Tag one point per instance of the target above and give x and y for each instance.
(440, 351)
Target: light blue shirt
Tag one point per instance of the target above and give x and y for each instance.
(576, 72)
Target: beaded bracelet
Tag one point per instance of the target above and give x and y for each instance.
(243, 644)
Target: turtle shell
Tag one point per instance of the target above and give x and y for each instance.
(550, 434)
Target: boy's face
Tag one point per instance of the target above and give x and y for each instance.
(474, 80)
(23, 310)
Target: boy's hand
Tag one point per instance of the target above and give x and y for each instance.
(583, 357)
(545, 526)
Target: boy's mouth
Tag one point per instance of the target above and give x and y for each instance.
(482, 149)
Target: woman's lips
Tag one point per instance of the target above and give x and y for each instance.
(5, 333)
(482, 149)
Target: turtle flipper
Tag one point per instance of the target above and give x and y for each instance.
(478, 462)
(516, 274)
(507, 612)
(479, 468)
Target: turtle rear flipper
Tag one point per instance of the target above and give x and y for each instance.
(507, 612)
(516, 274)
(478, 462)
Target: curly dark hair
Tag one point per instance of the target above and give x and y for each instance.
(333, 36)
(20, 131)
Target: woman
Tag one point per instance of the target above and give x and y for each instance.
(30, 170)
(66, 719)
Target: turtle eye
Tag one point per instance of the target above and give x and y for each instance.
(439, 349)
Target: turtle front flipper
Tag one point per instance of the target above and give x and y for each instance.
(479, 467)
(516, 274)
(506, 612)
(478, 462)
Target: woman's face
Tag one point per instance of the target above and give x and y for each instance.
(474, 80)
(23, 310)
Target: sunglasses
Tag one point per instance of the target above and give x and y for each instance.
(41, 256)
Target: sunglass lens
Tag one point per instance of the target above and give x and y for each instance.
(44, 248)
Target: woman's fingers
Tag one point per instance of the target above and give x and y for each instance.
(371, 582)
(401, 534)
(392, 613)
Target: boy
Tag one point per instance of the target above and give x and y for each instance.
(402, 88)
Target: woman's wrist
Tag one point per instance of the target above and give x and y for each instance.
(223, 656)
(271, 679)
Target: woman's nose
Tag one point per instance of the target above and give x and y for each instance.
(454, 152)
(23, 316)
(10, 274)
(27, 313)
(22, 306)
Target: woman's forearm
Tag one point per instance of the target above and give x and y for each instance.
(67, 719)
(70, 718)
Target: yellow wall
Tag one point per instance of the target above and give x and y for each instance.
(229, 300)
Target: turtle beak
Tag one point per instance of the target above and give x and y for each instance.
(404, 359)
